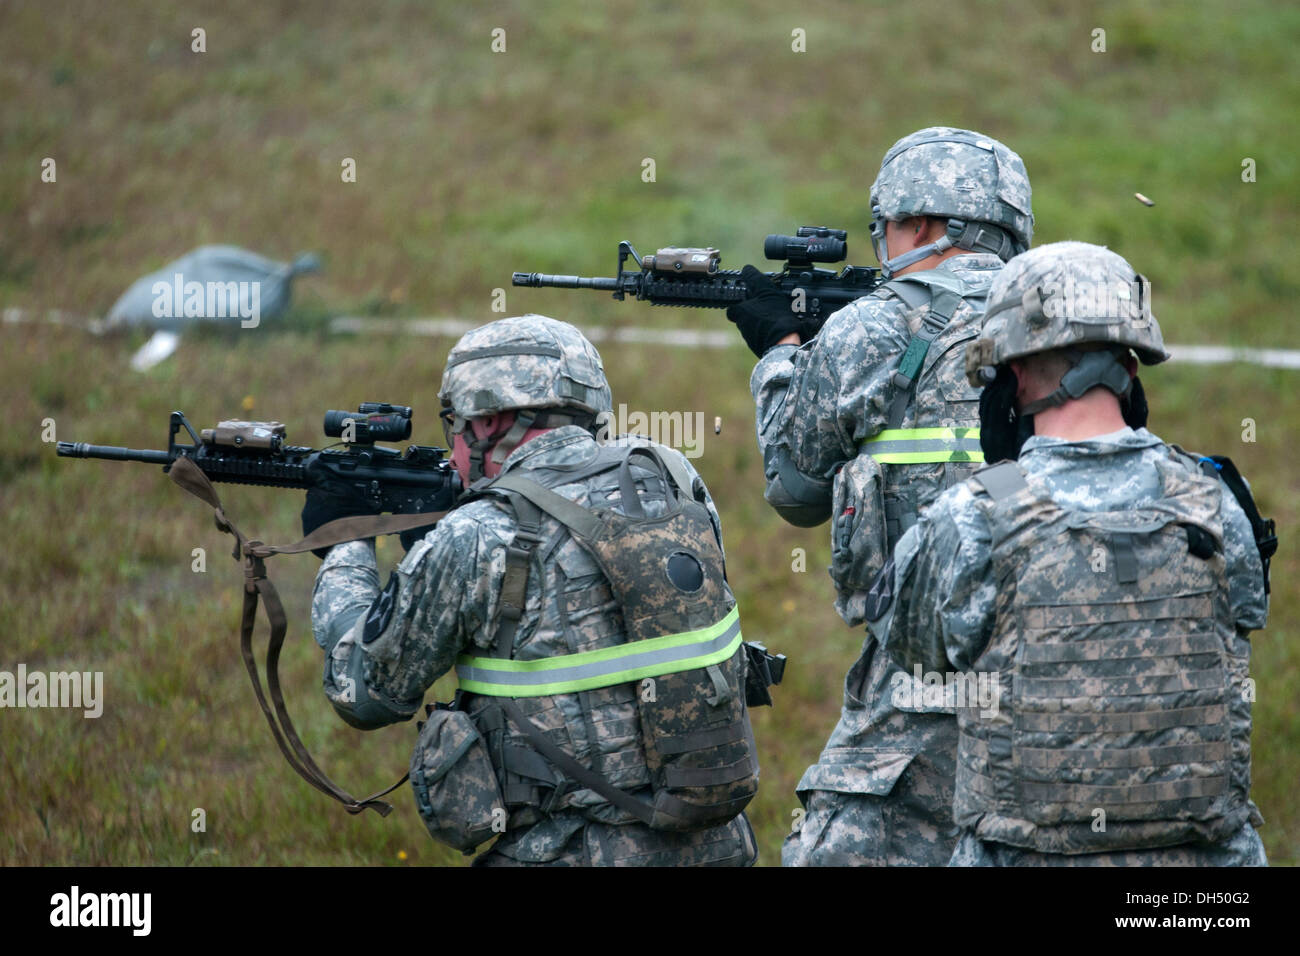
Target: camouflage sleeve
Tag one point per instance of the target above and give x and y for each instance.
(384, 649)
(945, 597)
(802, 499)
(1245, 569)
(815, 404)
(346, 583)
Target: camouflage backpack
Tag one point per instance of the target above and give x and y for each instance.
(684, 655)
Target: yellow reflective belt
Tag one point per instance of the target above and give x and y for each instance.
(569, 673)
(918, 446)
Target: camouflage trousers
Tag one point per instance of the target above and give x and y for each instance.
(635, 844)
(910, 826)
(1244, 849)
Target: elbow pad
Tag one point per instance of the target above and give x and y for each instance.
(346, 688)
(802, 501)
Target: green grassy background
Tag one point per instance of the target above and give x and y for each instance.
(471, 165)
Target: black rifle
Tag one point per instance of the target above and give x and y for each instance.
(416, 484)
(691, 277)
(416, 480)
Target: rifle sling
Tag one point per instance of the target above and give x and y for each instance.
(190, 477)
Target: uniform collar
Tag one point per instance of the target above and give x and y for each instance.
(1125, 439)
(538, 451)
(970, 262)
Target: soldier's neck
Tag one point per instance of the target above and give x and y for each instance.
(932, 261)
(1095, 413)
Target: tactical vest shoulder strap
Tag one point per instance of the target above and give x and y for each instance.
(911, 294)
(569, 513)
(550, 476)
(681, 477)
(1002, 480)
(582, 521)
(514, 584)
(944, 292)
(528, 499)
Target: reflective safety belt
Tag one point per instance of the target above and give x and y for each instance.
(918, 446)
(569, 673)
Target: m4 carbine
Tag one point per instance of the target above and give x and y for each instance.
(418, 486)
(415, 480)
(691, 278)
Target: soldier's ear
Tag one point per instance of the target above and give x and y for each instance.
(486, 427)
(1018, 369)
(907, 231)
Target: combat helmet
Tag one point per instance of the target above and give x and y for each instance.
(974, 181)
(541, 368)
(1061, 296)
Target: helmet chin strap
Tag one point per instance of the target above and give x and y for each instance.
(508, 442)
(972, 236)
(1090, 369)
(889, 267)
(497, 447)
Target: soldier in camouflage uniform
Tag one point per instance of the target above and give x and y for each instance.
(866, 424)
(1099, 589)
(523, 397)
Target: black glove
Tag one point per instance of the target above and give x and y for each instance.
(1002, 429)
(764, 317)
(324, 506)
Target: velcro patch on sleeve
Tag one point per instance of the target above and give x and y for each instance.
(381, 611)
(881, 594)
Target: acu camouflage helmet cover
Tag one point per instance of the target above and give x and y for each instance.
(957, 174)
(1065, 294)
(530, 361)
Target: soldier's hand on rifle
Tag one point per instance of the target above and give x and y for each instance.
(324, 506)
(764, 317)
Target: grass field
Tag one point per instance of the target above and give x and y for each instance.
(472, 164)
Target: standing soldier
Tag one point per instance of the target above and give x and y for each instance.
(1103, 580)
(866, 424)
(578, 590)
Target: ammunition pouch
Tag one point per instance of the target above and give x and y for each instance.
(456, 789)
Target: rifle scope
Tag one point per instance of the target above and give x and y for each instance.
(809, 244)
(372, 422)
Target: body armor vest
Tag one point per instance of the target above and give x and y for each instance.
(651, 691)
(1123, 721)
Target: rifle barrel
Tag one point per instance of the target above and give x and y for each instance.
(537, 280)
(79, 449)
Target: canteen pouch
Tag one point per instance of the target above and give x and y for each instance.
(858, 540)
(456, 790)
